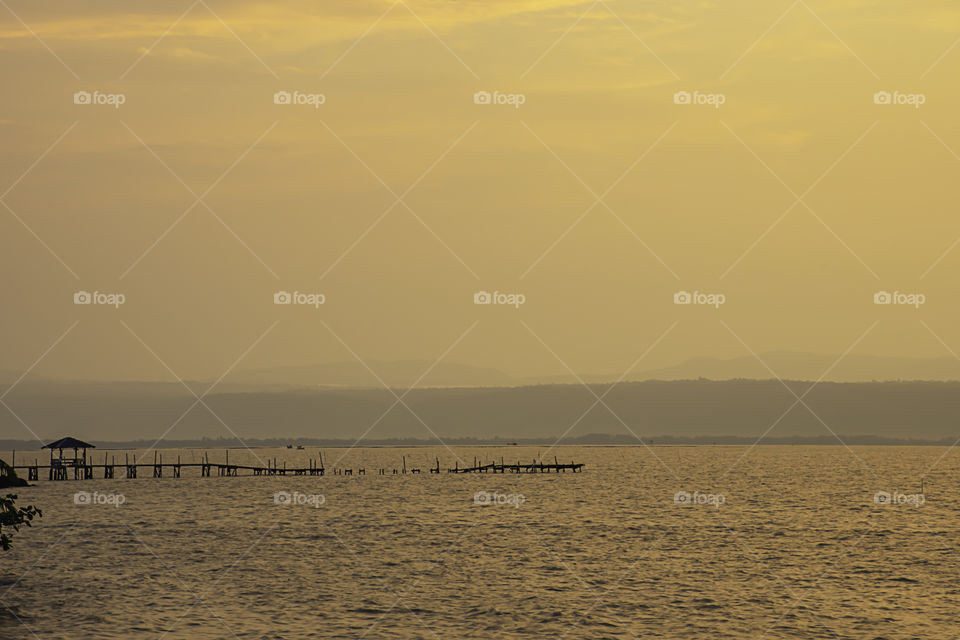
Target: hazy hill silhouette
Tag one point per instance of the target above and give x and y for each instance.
(748, 408)
(400, 374)
(796, 365)
(791, 365)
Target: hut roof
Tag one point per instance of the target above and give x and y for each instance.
(69, 443)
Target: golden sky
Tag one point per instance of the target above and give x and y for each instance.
(399, 197)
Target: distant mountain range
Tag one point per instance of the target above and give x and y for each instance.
(375, 374)
(788, 365)
(712, 398)
(793, 365)
(651, 409)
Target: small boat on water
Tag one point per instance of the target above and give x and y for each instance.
(289, 446)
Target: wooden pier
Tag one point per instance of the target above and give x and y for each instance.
(82, 466)
(519, 467)
(86, 468)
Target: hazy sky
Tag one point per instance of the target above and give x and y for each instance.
(598, 198)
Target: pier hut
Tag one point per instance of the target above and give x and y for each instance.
(60, 462)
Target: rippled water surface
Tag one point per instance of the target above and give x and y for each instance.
(788, 542)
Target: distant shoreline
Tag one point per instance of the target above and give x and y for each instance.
(587, 440)
(691, 412)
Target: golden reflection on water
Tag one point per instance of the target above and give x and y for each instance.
(661, 542)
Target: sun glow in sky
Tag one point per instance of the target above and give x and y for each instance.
(788, 184)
